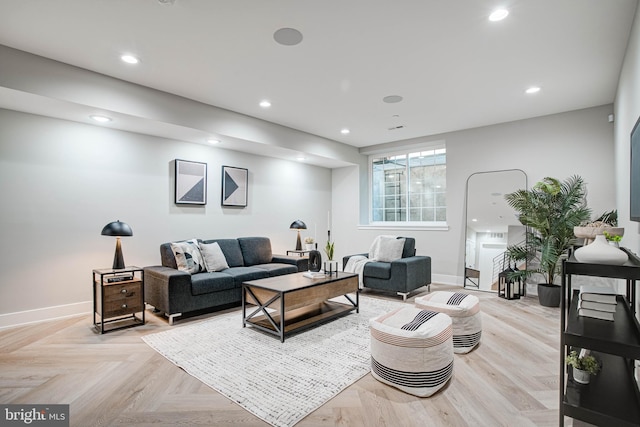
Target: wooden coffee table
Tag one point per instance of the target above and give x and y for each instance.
(288, 303)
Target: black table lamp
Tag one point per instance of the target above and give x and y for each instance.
(298, 225)
(118, 229)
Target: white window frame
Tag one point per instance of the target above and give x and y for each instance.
(400, 225)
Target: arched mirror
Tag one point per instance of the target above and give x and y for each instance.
(491, 226)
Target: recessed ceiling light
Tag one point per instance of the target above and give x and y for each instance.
(287, 36)
(498, 15)
(392, 99)
(129, 59)
(532, 89)
(345, 131)
(474, 220)
(265, 104)
(213, 141)
(301, 158)
(101, 119)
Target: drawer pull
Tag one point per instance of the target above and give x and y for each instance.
(124, 291)
(124, 305)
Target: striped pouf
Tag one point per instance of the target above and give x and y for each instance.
(412, 350)
(464, 310)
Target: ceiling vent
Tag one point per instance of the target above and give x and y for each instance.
(396, 127)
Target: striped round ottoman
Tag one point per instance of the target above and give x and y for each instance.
(412, 350)
(464, 310)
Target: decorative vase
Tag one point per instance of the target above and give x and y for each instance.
(601, 252)
(580, 376)
(309, 246)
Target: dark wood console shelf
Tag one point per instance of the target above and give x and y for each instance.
(612, 397)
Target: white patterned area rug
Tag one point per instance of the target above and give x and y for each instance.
(280, 383)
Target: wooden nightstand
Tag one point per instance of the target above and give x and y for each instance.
(118, 295)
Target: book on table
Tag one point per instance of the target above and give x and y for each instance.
(596, 293)
(600, 306)
(595, 314)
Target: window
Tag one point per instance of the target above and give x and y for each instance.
(409, 187)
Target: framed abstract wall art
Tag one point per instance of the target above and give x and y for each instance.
(191, 182)
(235, 182)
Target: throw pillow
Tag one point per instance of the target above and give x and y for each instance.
(188, 256)
(214, 259)
(390, 249)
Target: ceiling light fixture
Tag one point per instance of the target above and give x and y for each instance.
(498, 15)
(392, 99)
(265, 104)
(213, 141)
(129, 59)
(101, 119)
(301, 158)
(287, 36)
(345, 131)
(532, 89)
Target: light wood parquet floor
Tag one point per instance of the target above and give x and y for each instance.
(115, 379)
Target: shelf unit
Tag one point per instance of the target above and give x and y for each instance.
(612, 397)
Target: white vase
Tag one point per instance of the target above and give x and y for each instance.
(581, 376)
(309, 246)
(601, 252)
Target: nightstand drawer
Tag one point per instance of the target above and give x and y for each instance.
(120, 298)
(114, 292)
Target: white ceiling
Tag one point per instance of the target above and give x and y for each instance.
(454, 69)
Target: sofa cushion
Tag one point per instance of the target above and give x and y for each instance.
(255, 250)
(166, 256)
(205, 283)
(244, 274)
(380, 270)
(409, 247)
(231, 250)
(214, 259)
(188, 256)
(277, 269)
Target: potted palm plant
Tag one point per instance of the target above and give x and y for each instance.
(549, 211)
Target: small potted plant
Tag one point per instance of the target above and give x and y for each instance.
(308, 241)
(330, 266)
(614, 240)
(584, 365)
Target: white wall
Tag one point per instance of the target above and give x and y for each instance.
(627, 111)
(61, 182)
(559, 145)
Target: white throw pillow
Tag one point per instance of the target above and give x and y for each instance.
(188, 257)
(390, 249)
(214, 258)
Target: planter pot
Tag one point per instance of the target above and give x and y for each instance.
(548, 295)
(580, 376)
(309, 246)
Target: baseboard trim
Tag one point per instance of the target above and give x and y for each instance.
(26, 317)
(446, 279)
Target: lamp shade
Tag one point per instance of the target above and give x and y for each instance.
(298, 225)
(117, 228)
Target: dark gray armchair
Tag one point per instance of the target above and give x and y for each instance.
(401, 276)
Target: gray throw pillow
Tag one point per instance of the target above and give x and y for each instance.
(214, 259)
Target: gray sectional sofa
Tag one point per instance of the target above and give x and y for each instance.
(175, 292)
